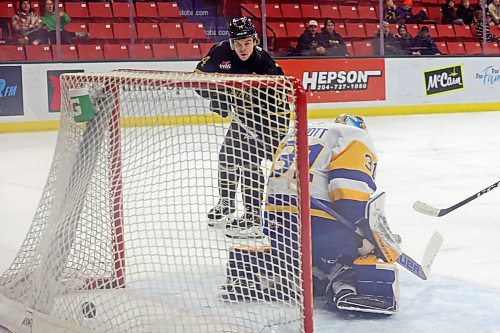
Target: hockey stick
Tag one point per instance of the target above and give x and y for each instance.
(420, 270)
(424, 208)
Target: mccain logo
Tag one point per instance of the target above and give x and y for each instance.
(443, 80)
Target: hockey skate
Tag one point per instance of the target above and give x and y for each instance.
(246, 226)
(221, 213)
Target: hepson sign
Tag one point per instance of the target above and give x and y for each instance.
(336, 80)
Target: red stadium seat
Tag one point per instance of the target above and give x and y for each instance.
(363, 48)
(456, 48)
(36, 7)
(463, 31)
(367, 12)
(310, 11)
(355, 30)
(146, 9)
(330, 11)
(290, 10)
(76, 27)
(168, 9)
(273, 10)
(295, 29)
(12, 53)
(140, 51)
(340, 28)
(252, 8)
(371, 29)
(164, 51)
(7, 9)
(348, 12)
(279, 29)
(442, 47)
(434, 13)
(100, 10)
(204, 48)
(445, 30)
(101, 31)
(148, 30)
(77, 9)
(123, 30)
(38, 53)
(121, 9)
(68, 52)
(115, 52)
(90, 52)
(188, 51)
(194, 30)
(171, 30)
(411, 28)
(495, 30)
(492, 48)
(473, 48)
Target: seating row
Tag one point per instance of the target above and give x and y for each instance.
(97, 52)
(365, 48)
(91, 10)
(120, 30)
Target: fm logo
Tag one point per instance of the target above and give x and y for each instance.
(5, 90)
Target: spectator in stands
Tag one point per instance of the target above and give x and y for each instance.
(405, 40)
(4, 25)
(391, 43)
(331, 41)
(494, 10)
(465, 12)
(28, 26)
(390, 11)
(479, 29)
(424, 44)
(308, 44)
(405, 14)
(449, 14)
(49, 20)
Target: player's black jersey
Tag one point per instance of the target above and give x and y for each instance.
(222, 59)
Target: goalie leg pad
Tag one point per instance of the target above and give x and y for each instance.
(254, 274)
(376, 288)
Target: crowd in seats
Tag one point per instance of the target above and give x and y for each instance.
(102, 29)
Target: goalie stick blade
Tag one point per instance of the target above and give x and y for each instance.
(424, 208)
(423, 270)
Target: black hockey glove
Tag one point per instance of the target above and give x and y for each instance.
(221, 108)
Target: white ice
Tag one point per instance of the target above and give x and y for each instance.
(439, 159)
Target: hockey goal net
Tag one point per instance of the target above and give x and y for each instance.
(120, 240)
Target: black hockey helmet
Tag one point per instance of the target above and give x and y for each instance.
(241, 27)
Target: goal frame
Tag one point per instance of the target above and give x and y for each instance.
(115, 126)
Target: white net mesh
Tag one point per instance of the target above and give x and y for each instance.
(121, 240)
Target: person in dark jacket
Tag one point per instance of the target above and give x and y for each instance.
(332, 42)
(465, 12)
(391, 43)
(390, 11)
(308, 44)
(423, 43)
(449, 13)
(405, 40)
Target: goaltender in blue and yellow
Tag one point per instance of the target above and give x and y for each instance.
(349, 268)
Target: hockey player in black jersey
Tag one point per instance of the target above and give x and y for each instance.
(254, 133)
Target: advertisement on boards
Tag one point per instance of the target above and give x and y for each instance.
(11, 91)
(488, 76)
(339, 80)
(442, 80)
(54, 88)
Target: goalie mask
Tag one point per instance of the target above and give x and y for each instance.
(351, 120)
